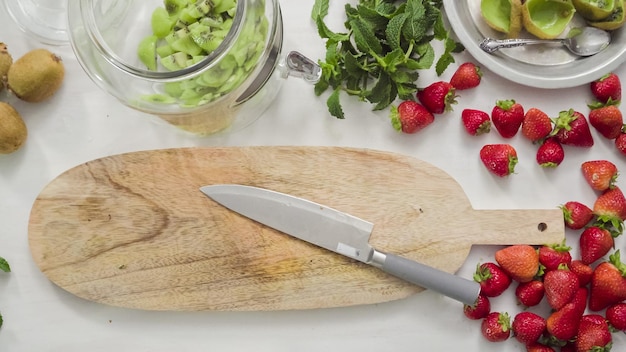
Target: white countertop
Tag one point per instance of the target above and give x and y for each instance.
(82, 123)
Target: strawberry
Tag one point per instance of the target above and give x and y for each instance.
(582, 270)
(571, 128)
(476, 122)
(595, 242)
(616, 316)
(576, 215)
(607, 88)
(466, 76)
(496, 327)
(410, 117)
(507, 117)
(550, 153)
(608, 283)
(492, 279)
(561, 285)
(610, 209)
(500, 159)
(479, 310)
(521, 262)
(536, 125)
(620, 142)
(607, 120)
(438, 97)
(599, 174)
(593, 334)
(528, 327)
(538, 347)
(530, 293)
(551, 256)
(563, 323)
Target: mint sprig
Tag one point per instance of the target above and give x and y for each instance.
(379, 57)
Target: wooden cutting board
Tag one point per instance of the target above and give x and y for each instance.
(133, 230)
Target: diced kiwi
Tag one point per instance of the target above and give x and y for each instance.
(147, 52)
(224, 5)
(186, 45)
(161, 22)
(173, 7)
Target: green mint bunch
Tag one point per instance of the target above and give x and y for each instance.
(379, 57)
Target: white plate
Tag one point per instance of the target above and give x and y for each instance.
(541, 66)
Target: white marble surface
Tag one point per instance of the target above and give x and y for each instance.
(82, 123)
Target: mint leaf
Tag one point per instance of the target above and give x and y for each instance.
(364, 37)
(415, 27)
(1, 321)
(444, 61)
(320, 9)
(4, 265)
(334, 106)
(393, 32)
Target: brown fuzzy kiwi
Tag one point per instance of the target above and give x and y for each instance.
(36, 76)
(5, 63)
(12, 129)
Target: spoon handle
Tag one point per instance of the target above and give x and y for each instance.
(490, 45)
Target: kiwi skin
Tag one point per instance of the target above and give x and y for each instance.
(36, 76)
(5, 63)
(13, 130)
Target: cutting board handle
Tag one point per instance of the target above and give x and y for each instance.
(507, 227)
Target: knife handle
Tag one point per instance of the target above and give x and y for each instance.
(456, 287)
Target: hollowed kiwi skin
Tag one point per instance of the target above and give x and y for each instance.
(547, 19)
(504, 16)
(615, 21)
(594, 10)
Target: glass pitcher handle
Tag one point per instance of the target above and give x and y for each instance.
(297, 65)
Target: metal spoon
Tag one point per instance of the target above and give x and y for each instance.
(588, 41)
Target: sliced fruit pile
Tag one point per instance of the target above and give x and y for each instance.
(548, 19)
(186, 32)
(568, 303)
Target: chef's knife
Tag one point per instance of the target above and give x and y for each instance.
(336, 231)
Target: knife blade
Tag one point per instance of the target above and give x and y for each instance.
(335, 231)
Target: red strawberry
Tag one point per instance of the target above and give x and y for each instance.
(563, 323)
(500, 159)
(476, 122)
(438, 97)
(610, 208)
(607, 89)
(608, 283)
(538, 347)
(576, 215)
(496, 327)
(528, 327)
(479, 310)
(410, 117)
(571, 128)
(550, 153)
(536, 125)
(593, 334)
(582, 270)
(607, 120)
(520, 261)
(530, 293)
(507, 117)
(616, 316)
(595, 242)
(561, 286)
(620, 142)
(551, 256)
(599, 174)
(492, 279)
(467, 76)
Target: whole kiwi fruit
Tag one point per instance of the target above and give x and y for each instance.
(12, 129)
(36, 76)
(5, 63)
